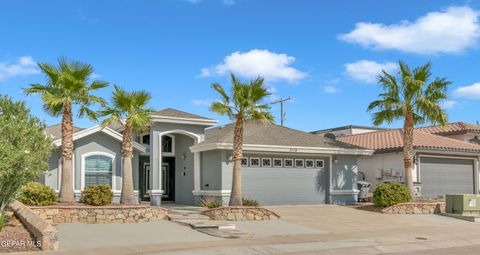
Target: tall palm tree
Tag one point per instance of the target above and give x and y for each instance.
(68, 85)
(412, 98)
(244, 103)
(128, 108)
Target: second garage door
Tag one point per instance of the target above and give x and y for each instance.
(284, 186)
(440, 176)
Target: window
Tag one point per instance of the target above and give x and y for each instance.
(98, 170)
(244, 161)
(277, 162)
(309, 163)
(288, 162)
(168, 145)
(254, 162)
(299, 163)
(319, 163)
(267, 162)
(146, 139)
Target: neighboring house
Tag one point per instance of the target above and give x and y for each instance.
(346, 130)
(181, 159)
(442, 164)
(458, 130)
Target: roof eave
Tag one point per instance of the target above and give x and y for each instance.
(188, 121)
(279, 148)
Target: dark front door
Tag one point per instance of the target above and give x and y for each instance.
(145, 176)
(168, 178)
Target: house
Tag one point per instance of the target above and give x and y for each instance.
(183, 157)
(444, 162)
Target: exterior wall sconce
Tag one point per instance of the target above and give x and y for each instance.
(184, 156)
(335, 160)
(229, 156)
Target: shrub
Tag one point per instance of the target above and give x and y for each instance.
(24, 151)
(210, 202)
(249, 202)
(390, 193)
(97, 195)
(34, 193)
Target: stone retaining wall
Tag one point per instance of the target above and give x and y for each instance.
(241, 213)
(416, 208)
(40, 229)
(99, 214)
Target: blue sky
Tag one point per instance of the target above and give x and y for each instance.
(323, 54)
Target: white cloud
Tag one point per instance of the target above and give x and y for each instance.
(449, 31)
(367, 70)
(22, 67)
(269, 65)
(448, 104)
(203, 102)
(471, 92)
(95, 76)
(330, 89)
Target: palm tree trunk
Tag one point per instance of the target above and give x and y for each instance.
(66, 187)
(408, 149)
(236, 194)
(127, 197)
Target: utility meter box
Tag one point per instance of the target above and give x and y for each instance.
(462, 203)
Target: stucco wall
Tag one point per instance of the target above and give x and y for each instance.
(211, 170)
(369, 165)
(183, 170)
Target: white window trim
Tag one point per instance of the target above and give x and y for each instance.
(114, 169)
(305, 163)
(261, 162)
(299, 159)
(323, 164)
(141, 139)
(281, 162)
(257, 158)
(168, 154)
(293, 162)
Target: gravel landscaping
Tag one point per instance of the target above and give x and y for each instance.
(15, 237)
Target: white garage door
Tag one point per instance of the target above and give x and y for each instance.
(440, 176)
(284, 186)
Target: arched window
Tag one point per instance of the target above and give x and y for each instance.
(98, 170)
(168, 145)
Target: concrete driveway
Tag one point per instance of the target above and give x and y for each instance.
(326, 229)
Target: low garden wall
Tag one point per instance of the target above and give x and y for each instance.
(240, 213)
(99, 214)
(41, 230)
(415, 208)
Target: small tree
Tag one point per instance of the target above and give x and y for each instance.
(24, 151)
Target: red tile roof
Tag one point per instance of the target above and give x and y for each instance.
(456, 127)
(393, 139)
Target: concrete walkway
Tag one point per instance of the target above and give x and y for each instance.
(301, 230)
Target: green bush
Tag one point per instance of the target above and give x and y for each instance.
(24, 151)
(249, 202)
(34, 193)
(210, 202)
(97, 195)
(390, 193)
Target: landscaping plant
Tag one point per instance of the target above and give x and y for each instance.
(97, 195)
(390, 193)
(68, 86)
(210, 202)
(411, 97)
(129, 109)
(24, 151)
(249, 202)
(37, 194)
(245, 103)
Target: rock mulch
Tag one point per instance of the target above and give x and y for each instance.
(14, 237)
(416, 207)
(241, 213)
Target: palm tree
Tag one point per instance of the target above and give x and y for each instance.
(243, 104)
(67, 86)
(413, 99)
(128, 108)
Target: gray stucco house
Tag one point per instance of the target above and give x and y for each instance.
(183, 157)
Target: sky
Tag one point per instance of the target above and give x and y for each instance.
(325, 55)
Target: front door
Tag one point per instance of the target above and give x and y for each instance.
(145, 175)
(168, 179)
